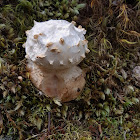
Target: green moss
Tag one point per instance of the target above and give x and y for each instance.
(108, 107)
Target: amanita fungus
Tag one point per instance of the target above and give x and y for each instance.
(54, 49)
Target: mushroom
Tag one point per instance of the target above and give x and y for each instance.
(54, 49)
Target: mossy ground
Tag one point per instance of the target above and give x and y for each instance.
(108, 108)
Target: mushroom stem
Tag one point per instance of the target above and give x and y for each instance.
(65, 85)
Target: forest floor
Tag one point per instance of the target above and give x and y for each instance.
(109, 105)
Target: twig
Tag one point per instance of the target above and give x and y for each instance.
(124, 135)
(34, 136)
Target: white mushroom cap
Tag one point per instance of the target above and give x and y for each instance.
(56, 44)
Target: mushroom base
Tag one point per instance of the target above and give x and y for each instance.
(64, 85)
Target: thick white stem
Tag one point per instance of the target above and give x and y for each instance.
(64, 85)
